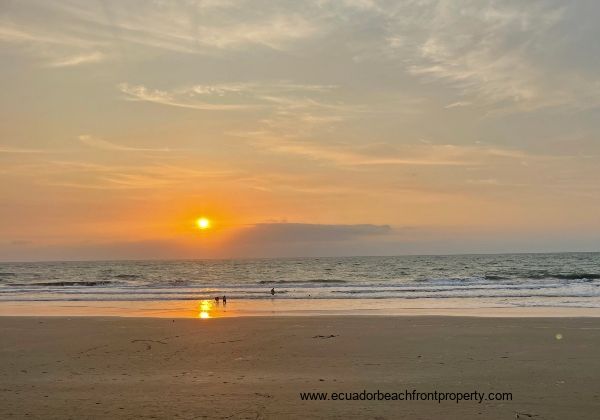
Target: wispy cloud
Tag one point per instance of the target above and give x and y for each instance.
(126, 177)
(10, 149)
(79, 59)
(458, 104)
(234, 96)
(192, 98)
(493, 52)
(12, 32)
(99, 143)
(383, 154)
(511, 56)
(54, 47)
(63, 33)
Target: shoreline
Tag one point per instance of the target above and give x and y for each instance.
(206, 309)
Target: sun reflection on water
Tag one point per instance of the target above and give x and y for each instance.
(205, 309)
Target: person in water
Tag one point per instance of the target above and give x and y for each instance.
(273, 291)
(224, 300)
(217, 299)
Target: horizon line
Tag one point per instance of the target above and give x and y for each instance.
(299, 257)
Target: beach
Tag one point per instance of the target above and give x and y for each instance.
(256, 367)
(311, 209)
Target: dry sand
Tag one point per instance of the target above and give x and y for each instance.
(255, 368)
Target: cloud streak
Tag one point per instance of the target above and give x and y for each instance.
(18, 150)
(143, 176)
(384, 154)
(491, 51)
(79, 59)
(99, 143)
(497, 54)
(233, 96)
(63, 32)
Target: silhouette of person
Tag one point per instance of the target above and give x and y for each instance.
(224, 300)
(217, 299)
(273, 291)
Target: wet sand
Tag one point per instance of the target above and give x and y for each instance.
(289, 307)
(255, 367)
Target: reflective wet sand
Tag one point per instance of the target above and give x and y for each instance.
(209, 308)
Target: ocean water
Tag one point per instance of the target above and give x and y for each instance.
(571, 279)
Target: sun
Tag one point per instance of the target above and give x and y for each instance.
(203, 223)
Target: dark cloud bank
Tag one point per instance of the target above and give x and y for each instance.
(266, 240)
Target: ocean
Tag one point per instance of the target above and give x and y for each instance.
(522, 280)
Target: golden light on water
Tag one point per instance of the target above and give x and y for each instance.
(206, 306)
(203, 223)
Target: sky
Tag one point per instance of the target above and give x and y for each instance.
(300, 128)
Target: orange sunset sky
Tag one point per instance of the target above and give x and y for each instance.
(297, 128)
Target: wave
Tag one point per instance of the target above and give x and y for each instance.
(66, 283)
(542, 275)
(513, 276)
(127, 276)
(494, 277)
(302, 281)
(7, 274)
(232, 298)
(578, 276)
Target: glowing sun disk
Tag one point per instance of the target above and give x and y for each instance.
(202, 223)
